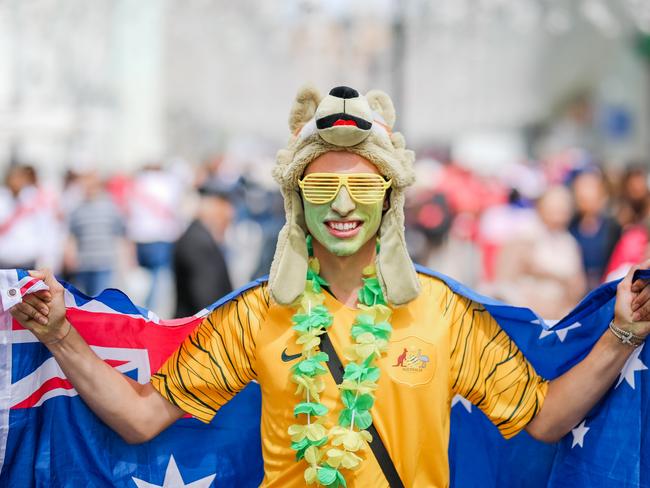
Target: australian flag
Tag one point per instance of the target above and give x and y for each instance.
(48, 437)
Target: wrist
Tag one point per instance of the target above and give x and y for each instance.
(61, 336)
(624, 336)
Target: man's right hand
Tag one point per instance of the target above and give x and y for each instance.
(135, 411)
(43, 312)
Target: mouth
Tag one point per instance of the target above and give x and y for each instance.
(343, 228)
(339, 119)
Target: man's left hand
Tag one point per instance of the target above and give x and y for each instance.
(632, 310)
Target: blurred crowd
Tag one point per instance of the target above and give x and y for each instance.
(176, 236)
(540, 234)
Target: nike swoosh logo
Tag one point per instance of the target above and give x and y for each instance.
(286, 357)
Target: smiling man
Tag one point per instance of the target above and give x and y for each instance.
(343, 286)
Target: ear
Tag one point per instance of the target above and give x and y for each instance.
(383, 105)
(386, 205)
(304, 108)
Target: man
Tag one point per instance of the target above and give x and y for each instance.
(199, 265)
(154, 223)
(26, 210)
(96, 234)
(351, 171)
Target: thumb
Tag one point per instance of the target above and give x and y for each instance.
(50, 280)
(627, 281)
(37, 273)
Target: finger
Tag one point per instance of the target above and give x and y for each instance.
(27, 322)
(642, 313)
(626, 283)
(19, 314)
(51, 281)
(31, 313)
(21, 317)
(44, 295)
(37, 303)
(640, 296)
(37, 273)
(638, 285)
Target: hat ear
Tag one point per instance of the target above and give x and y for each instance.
(304, 108)
(383, 105)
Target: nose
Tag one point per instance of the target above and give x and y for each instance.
(344, 92)
(343, 203)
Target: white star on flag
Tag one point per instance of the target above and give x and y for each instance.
(463, 401)
(561, 334)
(173, 479)
(579, 434)
(632, 365)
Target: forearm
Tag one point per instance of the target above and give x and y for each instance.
(572, 395)
(119, 401)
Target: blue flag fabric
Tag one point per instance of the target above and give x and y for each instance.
(607, 449)
(48, 437)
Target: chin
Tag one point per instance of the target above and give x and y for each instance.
(344, 252)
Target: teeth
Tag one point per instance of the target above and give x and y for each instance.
(343, 225)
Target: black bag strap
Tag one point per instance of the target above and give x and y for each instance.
(377, 446)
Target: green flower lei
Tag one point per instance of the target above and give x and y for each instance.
(371, 333)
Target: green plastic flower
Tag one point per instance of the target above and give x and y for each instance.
(362, 418)
(317, 283)
(382, 330)
(360, 402)
(310, 408)
(371, 293)
(311, 366)
(361, 372)
(301, 446)
(319, 317)
(330, 477)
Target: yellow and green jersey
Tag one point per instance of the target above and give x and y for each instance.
(442, 344)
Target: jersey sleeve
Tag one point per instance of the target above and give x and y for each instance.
(217, 359)
(489, 370)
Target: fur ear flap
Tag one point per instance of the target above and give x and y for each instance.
(398, 140)
(383, 105)
(304, 107)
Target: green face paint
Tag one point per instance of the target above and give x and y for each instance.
(343, 226)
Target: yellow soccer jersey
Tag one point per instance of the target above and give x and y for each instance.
(442, 344)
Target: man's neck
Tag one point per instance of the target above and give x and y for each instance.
(344, 273)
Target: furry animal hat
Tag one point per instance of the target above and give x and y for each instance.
(344, 120)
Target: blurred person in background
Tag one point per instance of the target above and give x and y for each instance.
(633, 196)
(633, 215)
(199, 264)
(154, 224)
(271, 222)
(592, 226)
(27, 213)
(541, 268)
(467, 195)
(96, 232)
